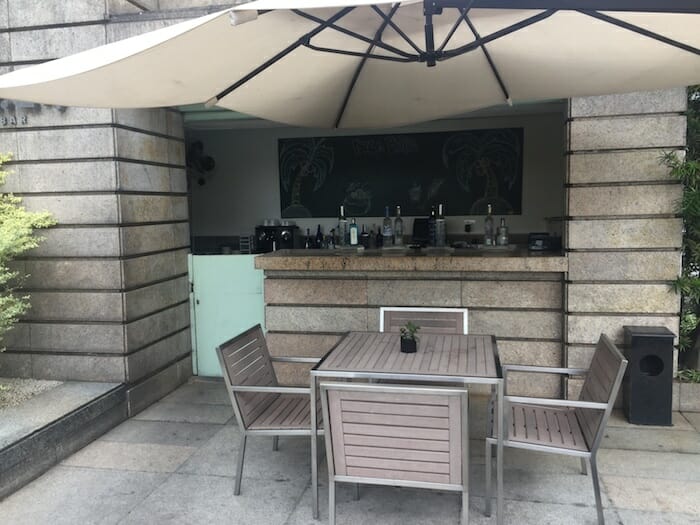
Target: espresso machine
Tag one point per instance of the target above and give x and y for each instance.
(272, 238)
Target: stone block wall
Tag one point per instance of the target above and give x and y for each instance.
(109, 285)
(623, 235)
(306, 313)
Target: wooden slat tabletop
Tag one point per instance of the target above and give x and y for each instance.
(438, 354)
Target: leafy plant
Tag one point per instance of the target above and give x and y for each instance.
(410, 331)
(686, 168)
(17, 227)
(689, 376)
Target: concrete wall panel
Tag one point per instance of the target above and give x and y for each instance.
(414, 293)
(134, 176)
(65, 144)
(79, 368)
(618, 166)
(316, 319)
(145, 239)
(73, 274)
(663, 101)
(147, 269)
(25, 14)
(47, 44)
(145, 361)
(625, 233)
(78, 242)
(516, 324)
(586, 329)
(624, 200)
(301, 345)
(143, 301)
(152, 208)
(62, 177)
(636, 298)
(76, 209)
(621, 266)
(661, 131)
(149, 329)
(76, 306)
(315, 291)
(511, 294)
(87, 338)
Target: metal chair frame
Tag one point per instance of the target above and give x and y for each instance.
(386, 309)
(588, 457)
(234, 390)
(394, 390)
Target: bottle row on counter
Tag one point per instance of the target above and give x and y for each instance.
(431, 231)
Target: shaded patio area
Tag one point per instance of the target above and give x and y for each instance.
(175, 463)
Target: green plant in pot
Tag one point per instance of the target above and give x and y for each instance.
(409, 337)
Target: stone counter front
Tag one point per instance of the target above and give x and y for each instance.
(313, 297)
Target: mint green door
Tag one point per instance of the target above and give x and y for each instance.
(226, 298)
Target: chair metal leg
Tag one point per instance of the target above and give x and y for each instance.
(596, 490)
(487, 510)
(584, 469)
(239, 467)
(275, 443)
(357, 492)
(331, 502)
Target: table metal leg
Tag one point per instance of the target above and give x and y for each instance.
(314, 450)
(499, 453)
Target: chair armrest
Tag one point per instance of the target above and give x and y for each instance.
(273, 389)
(544, 369)
(555, 402)
(312, 360)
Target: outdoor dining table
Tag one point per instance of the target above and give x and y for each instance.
(441, 358)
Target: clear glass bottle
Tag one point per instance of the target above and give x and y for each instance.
(387, 229)
(488, 228)
(354, 237)
(398, 228)
(440, 228)
(364, 237)
(343, 232)
(502, 239)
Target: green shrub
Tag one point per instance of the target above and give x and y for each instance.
(17, 235)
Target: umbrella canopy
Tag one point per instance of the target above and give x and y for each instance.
(345, 63)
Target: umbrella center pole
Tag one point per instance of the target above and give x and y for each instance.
(430, 8)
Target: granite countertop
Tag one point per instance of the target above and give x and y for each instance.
(511, 259)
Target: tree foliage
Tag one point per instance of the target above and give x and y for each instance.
(17, 235)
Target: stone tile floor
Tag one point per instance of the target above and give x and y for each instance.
(174, 463)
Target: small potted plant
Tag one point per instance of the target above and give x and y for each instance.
(409, 339)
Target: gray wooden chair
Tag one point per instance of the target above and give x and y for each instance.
(562, 426)
(435, 320)
(262, 406)
(413, 436)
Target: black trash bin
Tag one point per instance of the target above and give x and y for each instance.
(647, 390)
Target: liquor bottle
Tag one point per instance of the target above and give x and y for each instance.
(387, 230)
(379, 238)
(431, 226)
(440, 228)
(398, 228)
(354, 238)
(330, 240)
(488, 228)
(343, 233)
(502, 239)
(364, 237)
(307, 243)
(319, 238)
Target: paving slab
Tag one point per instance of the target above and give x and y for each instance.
(618, 419)
(188, 499)
(200, 393)
(66, 496)
(218, 457)
(649, 494)
(637, 517)
(694, 419)
(186, 413)
(142, 457)
(163, 433)
(651, 439)
(646, 464)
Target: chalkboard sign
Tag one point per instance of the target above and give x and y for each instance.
(464, 170)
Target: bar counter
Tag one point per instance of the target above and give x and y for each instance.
(449, 260)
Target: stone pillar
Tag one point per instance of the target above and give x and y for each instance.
(109, 284)
(623, 236)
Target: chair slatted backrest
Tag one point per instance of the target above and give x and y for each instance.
(394, 435)
(433, 320)
(245, 361)
(601, 385)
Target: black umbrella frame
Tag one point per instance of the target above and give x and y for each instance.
(431, 53)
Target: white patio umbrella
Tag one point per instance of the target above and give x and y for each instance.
(367, 63)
